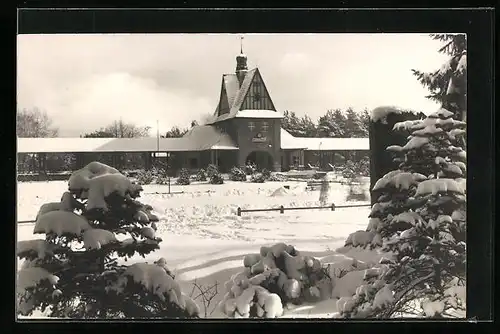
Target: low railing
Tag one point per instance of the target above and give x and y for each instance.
(282, 209)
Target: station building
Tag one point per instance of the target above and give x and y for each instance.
(246, 126)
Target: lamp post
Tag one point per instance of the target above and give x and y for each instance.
(319, 153)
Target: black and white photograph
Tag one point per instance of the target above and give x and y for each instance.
(241, 175)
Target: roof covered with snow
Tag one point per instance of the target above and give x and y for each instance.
(258, 114)
(289, 142)
(199, 138)
(381, 113)
(235, 97)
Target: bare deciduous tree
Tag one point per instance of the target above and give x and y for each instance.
(34, 123)
(206, 294)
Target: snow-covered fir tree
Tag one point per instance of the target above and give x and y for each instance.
(419, 220)
(332, 124)
(79, 270)
(448, 84)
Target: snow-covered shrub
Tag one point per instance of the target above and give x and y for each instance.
(216, 178)
(211, 170)
(275, 177)
(348, 170)
(250, 168)
(145, 176)
(356, 168)
(237, 174)
(201, 175)
(76, 272)
(419, 218)
(153, 175)
(162, 179)
(161, 175)
(271, 279)
(266, 173)
(257, 178)
(362, 167)
(183, 178)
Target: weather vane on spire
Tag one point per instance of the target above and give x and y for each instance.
(241, 44)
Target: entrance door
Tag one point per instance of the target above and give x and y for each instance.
(261, 158)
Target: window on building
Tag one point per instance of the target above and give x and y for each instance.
(251, 126)
(265, 126)
(256, 97)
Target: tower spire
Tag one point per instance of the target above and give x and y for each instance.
(241, 63)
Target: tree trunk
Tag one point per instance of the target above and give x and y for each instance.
(381, 136)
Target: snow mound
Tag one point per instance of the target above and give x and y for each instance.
(80, 179)
(279, 268)
(61, 222)
(154, 279)
(408, 217)
(416, 143)
(431, 308)
(48, 207)
(441, 113)
(454, 133)
(383, 297)
(95, 238)
(32, 276)
(31, 248)
(338, 268)
(429, 130)
(347, 285)
(380, 114)
(360, 238)
(405, 125)
(281, 191)
(439, 186)
(104, 185)
(398, 179)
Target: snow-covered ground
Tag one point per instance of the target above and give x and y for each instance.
(204, 239)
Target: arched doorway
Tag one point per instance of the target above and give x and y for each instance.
(260, 158)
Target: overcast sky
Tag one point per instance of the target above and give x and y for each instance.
(84, 82)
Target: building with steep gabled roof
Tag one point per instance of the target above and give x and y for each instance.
(246, 126)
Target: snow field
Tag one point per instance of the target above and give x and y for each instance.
(205, 241)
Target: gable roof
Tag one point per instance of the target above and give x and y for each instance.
(232, 86)
(208, 137)
(199, 138)
(236, 95)
(289, 142)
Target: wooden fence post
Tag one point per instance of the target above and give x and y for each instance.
(239, 212)
(282, 209)
(333, 206)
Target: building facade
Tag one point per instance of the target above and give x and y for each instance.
(246, 127)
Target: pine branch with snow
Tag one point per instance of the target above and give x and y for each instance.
(420, 220)
(448, 84)
(77, 270)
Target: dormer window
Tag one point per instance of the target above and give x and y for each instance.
(251, 126)
(265, 126)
